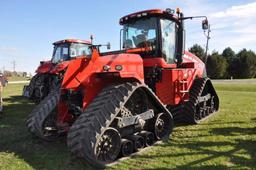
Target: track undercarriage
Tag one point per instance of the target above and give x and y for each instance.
(203, 101)
(121, 120)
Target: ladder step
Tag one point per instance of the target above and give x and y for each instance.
(184, 91)
(183, 81)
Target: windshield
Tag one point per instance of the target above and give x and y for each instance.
(60, 53)
(140, 33)
(77, 49)
(63, 52)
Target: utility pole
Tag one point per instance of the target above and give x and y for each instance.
(207, 44)
(13, 65)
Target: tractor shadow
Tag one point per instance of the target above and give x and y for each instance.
(232, 150)
(254, 119)
(15, 139)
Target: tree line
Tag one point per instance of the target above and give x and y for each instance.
(227, 64)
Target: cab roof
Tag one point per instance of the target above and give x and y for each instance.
(151, 12)
(72, 41)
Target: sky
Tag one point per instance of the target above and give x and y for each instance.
(29, 27)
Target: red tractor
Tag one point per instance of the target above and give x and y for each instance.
(49, 73)
(115, 103)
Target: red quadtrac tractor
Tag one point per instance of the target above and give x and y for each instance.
(49, 74)
(115, 103)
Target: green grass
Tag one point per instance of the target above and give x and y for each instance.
(225, 141)
(236, 87)
(16, 78)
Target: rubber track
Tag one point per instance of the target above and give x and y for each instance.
(185, 113)
(83, 134)
(32, 83)
(41, 112)
(42, 77)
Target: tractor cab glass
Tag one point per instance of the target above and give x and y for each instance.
(168, 31)
(78, 49)
(157, 33)
(140, 33)
(64, 52)
(60, 53)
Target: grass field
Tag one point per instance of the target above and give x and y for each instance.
(16, 78)
(225, 141)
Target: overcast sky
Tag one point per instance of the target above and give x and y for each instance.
(29, 27)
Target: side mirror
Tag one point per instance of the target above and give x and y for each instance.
(205, 24)
(108, 46)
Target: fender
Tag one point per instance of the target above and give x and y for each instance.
(45, 67)
(59, 67)
(81, 71)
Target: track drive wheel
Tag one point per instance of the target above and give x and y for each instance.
(108, 145)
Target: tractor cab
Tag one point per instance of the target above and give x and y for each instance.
(70, 48)
(154, 29)
(161, 31)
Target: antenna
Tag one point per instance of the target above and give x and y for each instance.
(91, 37)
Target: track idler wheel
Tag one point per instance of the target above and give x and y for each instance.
(148, 137)
(126, 147)
(138, 142)
(108, 146)
(163, 126)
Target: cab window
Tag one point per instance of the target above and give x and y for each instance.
(141, 33)
(168, 30)
(60, 53)
(77, 49)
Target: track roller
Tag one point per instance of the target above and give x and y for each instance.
(148, 137)
(126, 147)
(138, 142)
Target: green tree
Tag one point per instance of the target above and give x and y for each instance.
(198, 51)
(229, 55)
(245, 64)
(216, 66)
(233, 65)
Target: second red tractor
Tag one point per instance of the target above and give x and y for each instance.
(49, 74)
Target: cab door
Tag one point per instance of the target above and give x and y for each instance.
(168, 40)
(168, 89)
